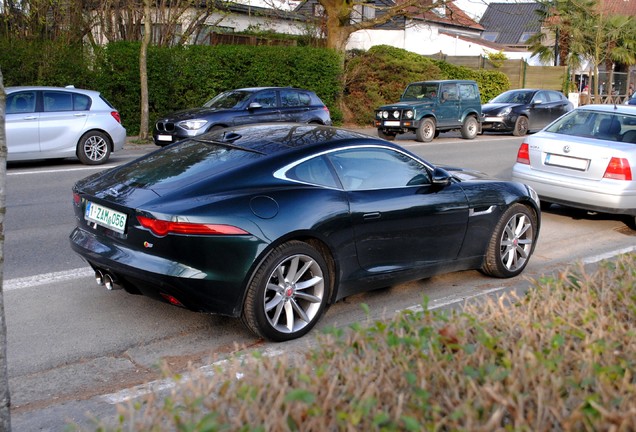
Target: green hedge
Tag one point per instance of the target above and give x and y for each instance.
(185, 77)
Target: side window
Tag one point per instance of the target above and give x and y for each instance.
(541, 97)
(81, 102)
(304, 99)
(289, 98)
(468, 91)
(23, 102)
(449, 92)
(378, 168)
(266, 98)
(57, 101)
(313, 171)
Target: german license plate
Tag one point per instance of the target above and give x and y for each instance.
(566, 161)
(105, 217)
(164, 138)
(391, 123)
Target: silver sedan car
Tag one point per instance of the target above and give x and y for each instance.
(585, 159)
(61, 122)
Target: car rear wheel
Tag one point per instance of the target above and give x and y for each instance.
(287, 293)
(426, 131)
(386, 135)
(470, 127)
(93, 148)
(521, 126)
(512, 242)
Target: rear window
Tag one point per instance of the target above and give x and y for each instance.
(608, 126)
(181, 164)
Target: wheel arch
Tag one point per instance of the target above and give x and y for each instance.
(110, 139)
(319, 244)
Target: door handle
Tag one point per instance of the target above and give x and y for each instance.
(30, 118)
(371, 216)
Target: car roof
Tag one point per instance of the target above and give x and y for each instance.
(606, 108)
(255, 89)
(273, 138)
(67, 88)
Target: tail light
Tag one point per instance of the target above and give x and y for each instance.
(76, 198)
(618, 169)
(523, 155)
(163, 227)
(116, 116)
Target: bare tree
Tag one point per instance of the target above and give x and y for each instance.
(5, 397)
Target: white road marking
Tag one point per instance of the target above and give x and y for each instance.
(47, 278)
(53, 171)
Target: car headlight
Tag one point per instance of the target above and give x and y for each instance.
(396, 114)
(409, 114)
(192, 124)
(505, 111)
(385, 114)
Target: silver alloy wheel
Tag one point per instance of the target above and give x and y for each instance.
(294, 293)
(516, 242)
(95, 148)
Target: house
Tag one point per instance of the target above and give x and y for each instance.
(511, 24)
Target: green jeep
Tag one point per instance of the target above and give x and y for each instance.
(430, 107)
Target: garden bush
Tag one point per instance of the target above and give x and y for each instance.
(560, 358)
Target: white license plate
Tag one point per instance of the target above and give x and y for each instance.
(164, 137)
(391, 123)
(106, 217)
(566, 162)
(492, 119)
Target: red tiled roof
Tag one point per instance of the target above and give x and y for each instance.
(453, 15)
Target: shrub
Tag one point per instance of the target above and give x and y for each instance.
(561, 358)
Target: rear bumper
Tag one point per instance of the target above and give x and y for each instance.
(605, 196)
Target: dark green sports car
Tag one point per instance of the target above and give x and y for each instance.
(271, 223)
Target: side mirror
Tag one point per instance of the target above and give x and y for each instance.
(441, 177)
(254, 105)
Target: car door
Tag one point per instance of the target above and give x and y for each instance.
(448, 112)
(401, 220)
(22, 124)
(294, 105)
(262, 107)
(540, 110)
(61, 125)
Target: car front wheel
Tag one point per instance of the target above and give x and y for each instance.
(288, 292)
(470, 127)
(93, 148)
(521, 126)
(512, 242)
(426, 131)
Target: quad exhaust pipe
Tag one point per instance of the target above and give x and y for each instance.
(105, 279)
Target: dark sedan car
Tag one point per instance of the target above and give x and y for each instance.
(523, 110)
(271, 223)
(243, 106)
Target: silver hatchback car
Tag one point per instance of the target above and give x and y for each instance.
(585, 159)
(61, 122)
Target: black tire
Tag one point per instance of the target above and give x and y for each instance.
(93, 148)
(470, 128)
(386, 136)
(426, 131)
(521, 126)
(280, 310)
(512, 242)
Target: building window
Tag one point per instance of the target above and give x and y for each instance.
(490, 36)
(525, 36)
(362, 12)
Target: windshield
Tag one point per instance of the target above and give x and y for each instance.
(420, 91)
(518, 97)
(231, 99)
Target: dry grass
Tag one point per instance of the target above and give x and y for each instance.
(562, 358)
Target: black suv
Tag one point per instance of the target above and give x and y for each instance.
(243, 106)
(430, 107)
